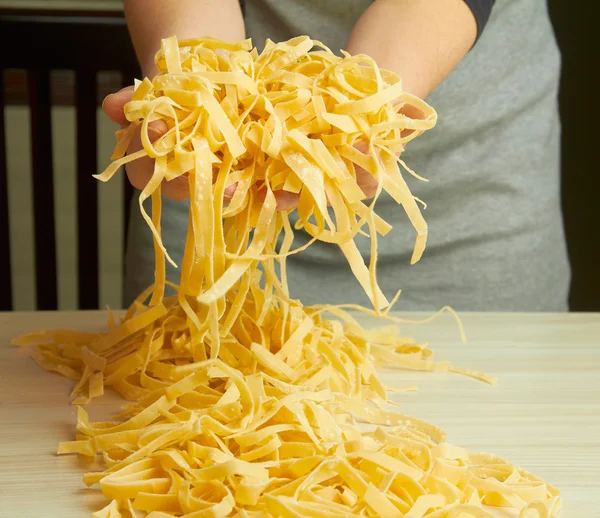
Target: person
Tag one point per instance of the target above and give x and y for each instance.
(496, 238)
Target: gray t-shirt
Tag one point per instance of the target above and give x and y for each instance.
(496, 238)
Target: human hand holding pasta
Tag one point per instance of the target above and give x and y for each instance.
(140, 171)
(389, 31)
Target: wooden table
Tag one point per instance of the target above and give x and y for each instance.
(543, 415)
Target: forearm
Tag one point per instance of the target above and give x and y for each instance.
(149, 21)
(420, 40)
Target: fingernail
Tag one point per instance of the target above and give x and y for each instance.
(104, 100)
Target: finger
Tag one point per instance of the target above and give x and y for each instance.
(177, 189)
(366, 181)
(114, 104)
(414, 113)
(286, 200)
(229, 192)
(140, 171)
(362, 146)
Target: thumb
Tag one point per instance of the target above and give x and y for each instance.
(114, 105)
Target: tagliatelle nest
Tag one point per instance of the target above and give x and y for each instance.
(245, 403)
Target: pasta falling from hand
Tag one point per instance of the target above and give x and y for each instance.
(244, 402)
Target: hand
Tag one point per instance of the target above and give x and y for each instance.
(140, 171)
(366, 181)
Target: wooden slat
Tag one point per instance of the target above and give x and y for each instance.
(67, 42)
(43, 189)
(62, 86)
(87, 195)
(127, 197)
(128, 79)
(5, 270)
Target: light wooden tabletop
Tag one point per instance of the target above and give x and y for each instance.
(544, 414)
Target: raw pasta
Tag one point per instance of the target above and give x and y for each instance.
(244, 402)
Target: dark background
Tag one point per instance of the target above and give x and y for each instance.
(577, 31)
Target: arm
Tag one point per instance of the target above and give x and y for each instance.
(420, 40)
(151, 20)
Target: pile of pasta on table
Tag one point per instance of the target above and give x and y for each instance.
(244, 402)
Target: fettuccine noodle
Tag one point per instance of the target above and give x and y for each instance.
(244, 402)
